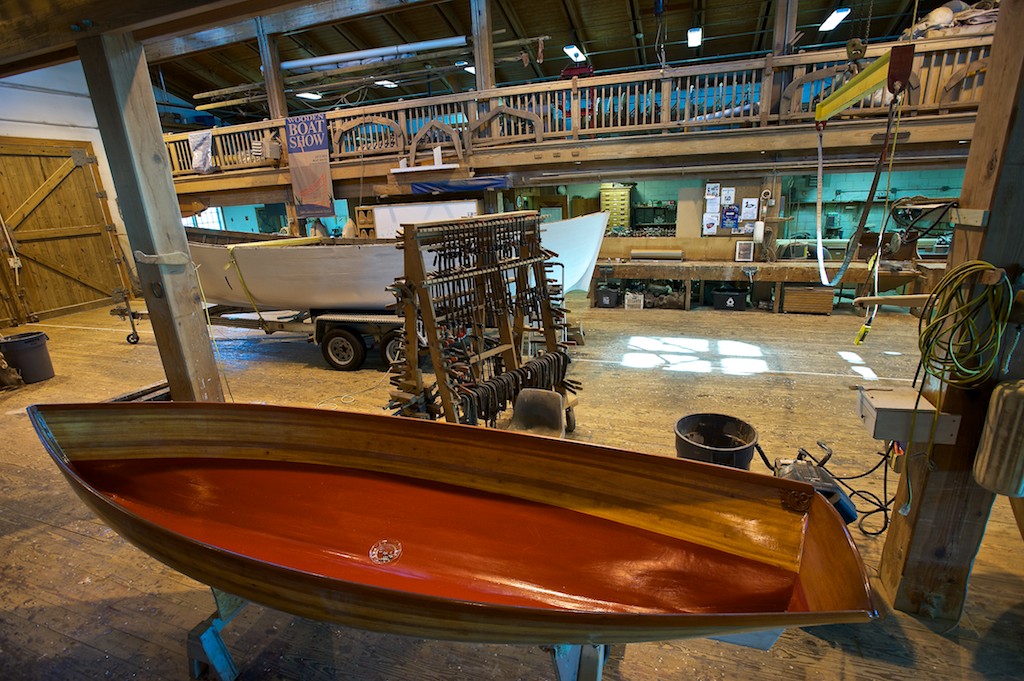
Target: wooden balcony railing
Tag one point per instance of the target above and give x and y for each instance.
(767, 92)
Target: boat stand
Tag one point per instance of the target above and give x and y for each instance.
(209, 657)
(579, 662)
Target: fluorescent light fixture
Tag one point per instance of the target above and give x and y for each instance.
(386, 83)
(310, 95)
(470, 69)
(574, 53)
(833, 20)
(694, 37)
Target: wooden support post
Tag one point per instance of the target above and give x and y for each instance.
(122, 96)
(272, 81)
(785, 31)
(927, 557)
(483, 44)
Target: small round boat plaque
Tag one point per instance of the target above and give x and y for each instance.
(385, 551)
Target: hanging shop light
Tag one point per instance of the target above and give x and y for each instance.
(833, 20)
(694, 37)
(574, 53)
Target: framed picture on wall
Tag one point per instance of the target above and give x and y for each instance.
(744, 251)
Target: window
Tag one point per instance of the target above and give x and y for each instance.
(211, 218)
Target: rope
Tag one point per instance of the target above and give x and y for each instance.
(851, 246)
(213, 339)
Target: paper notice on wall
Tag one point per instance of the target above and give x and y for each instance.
(201, 145)
(310, 163)
(714, 205)
(709, 226)
(749, 210)
(712, 190)
(728, 195)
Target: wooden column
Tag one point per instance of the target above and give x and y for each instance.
(483, 44)
(122, 96)
(785, 26)
(272, 80)
(927, 557)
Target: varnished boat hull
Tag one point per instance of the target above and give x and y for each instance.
(728, 515)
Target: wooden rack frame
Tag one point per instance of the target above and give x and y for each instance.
(478, 286)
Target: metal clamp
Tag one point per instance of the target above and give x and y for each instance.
(176, 258)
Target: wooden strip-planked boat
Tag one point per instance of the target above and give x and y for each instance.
(454, 532)
(346, 274)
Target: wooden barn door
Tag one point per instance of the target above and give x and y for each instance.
(57, 240)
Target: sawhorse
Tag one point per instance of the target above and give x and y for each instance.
(208, 656)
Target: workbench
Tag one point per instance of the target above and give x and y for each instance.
(891, 274)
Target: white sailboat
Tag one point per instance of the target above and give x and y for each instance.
(245, 270)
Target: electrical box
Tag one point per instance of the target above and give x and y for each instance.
(887, 414)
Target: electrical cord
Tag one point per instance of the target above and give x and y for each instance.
(872, 503)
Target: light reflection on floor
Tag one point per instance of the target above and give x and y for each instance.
(704, 356)
(694, 355)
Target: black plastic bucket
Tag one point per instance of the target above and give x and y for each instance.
(716, 438)
(27, 353)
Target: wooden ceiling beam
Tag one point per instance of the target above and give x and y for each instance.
(512, 19)
(456, 25)
(572, 13)
(902, 18)
(698, 20)
(407, 35)
(763, 14)
(638, 32)
(290, 21)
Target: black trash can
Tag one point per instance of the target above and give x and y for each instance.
(716, 438)
(27, 353)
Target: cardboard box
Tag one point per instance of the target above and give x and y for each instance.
(634, 301)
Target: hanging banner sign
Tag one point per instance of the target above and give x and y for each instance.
(310, 163)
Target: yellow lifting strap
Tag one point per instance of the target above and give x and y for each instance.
(273, 243)
(862, 85)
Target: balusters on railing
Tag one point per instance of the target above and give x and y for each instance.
(948, 75)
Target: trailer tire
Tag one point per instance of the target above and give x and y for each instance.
(343, 350)
(391, 345)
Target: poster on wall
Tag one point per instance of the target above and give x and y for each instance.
(310, 165)
(712, 190)
(714, 205)
(749, 209)
(728, 195)
(709, 224)
(731, 218)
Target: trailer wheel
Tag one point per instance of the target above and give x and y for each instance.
(391, 346)
(343, 350)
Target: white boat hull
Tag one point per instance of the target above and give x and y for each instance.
(330, 277)
(333, 276)
(577, 242)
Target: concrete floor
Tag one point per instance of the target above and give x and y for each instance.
(78, 602)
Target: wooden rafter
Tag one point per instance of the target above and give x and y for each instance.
(572, 12)
(287, 21)
(512, 19)
(636, 17)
